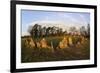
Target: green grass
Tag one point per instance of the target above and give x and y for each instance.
(80, 52)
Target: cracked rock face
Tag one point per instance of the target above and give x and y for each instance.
(63, 43)
(43, 43)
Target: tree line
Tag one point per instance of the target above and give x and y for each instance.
(39, 31)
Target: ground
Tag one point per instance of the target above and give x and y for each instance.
(75, 52)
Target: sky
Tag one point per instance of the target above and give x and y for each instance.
(30, 16)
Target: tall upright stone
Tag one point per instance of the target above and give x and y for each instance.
(43, 43)
(70, 41)
(64, 43)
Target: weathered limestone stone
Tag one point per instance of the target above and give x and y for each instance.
(70, 41)
(31, 43)
(63, 43)
(38, 44)
(43, 43)
(82, 40)
(78, 44)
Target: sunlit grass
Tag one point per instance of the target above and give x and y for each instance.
(80, 52)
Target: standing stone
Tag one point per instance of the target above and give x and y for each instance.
(38, 44)
(44, 43)
(82, 40)
(64, 43)
(70, 41)
(31, 43)
(26, 42)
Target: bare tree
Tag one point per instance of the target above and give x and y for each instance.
(43, 31)
(35, 31)
(83, 31)
(88, 30)
(72, 30)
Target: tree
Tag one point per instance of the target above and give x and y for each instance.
(88, 30)
(48, 31)
(83, 31)
(35, 31)
(30, 30)
(65, 32)
(72, 29)
(43, 31)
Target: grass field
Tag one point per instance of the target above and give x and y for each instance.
(75, 52)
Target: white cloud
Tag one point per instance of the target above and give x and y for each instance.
(25, 34)
(65, 21)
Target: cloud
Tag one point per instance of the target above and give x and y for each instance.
(60, 19)
(25, 34)
(69, 18)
